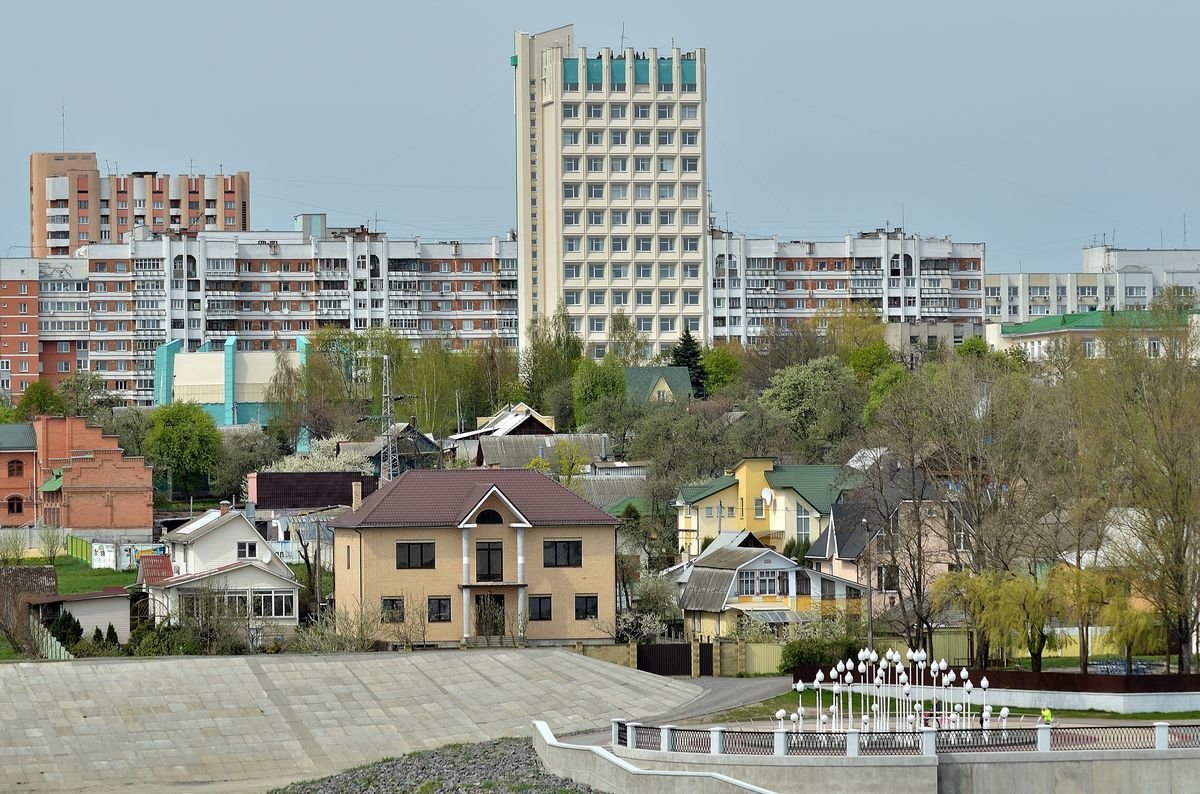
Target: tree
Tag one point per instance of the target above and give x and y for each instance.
(853, 328)
(1080, 594)
(559, 401)
(1020, 609)
(567, 461)
(779, 346)
(323, 455)
(549, 357)
(657, 595)
(869, 360)
(13, 545)
(881, 386)
(86, 394)
(722, 368)
(52, 539)
(242, 452)
(1132, 630)
(686, 353)
(616, 416)
(39, 399)
(625, 342)
(593, 382)
(183, 439)
(822, 401)
(130, 426)
(110, 636)
(972, 593)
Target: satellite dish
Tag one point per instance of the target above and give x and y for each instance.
(766, 496)
(266, 556)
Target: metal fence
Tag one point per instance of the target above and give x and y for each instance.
(784, 741)
(48, 646)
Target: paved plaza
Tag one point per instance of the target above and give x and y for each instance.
(248, 723)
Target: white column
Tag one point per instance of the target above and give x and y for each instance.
(664, 738)
(1162, 735)
(1043, 738)
(852, 742)
(716, 741)
(780, 741)
(466, 582)
(521, 590)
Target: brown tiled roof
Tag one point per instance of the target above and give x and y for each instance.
(108, 592)
(154, 568)
(443, 497)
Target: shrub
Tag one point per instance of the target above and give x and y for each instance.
(98, 636)
(66, 629)
(110, 636)
(816, 651)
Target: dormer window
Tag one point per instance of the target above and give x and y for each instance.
(489, 516)
(247, 550)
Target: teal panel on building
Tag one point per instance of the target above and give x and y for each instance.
(164, 371)
(570, 71)
(688, 68)
(665, 75)
(616, 68)
(641, 71)
(595, 71)
(230, 378)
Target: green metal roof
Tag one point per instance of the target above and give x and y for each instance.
(691, 493)
(54, 483)
(17, 438)
(1083, 321)
(819, 485)
(639, 381)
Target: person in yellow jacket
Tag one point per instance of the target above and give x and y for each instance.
(1047, 716)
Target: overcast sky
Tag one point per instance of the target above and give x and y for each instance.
(1036, 127)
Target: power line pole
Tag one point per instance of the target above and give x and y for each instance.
(387, 455)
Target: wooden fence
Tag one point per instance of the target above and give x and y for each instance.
(47, 646)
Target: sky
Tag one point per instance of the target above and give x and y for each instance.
(1035, 127)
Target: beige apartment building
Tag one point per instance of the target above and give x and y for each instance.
(612, 184)
(456, 556)
(72, 204)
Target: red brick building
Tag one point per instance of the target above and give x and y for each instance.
(61, 471)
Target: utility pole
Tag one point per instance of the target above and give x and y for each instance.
(387, 456)
(870, 599)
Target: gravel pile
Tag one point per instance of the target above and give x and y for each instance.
(503, 765)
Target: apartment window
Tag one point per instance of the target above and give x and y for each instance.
(666, 271)
(644, 244)
(571, 190)
(570, 110)
(439, 609)
(641, 165)
(645, 297)
(596, 324)
(666, 217)
(645, 325)
(691, 244)
(83, 204)
(539, 608)
(691, 270)
(571, 297)
(570, 245)
(414, 555)
(620, 217)
(562, 553)
(666, 190)
(689, 110)
(570, 137)
(64, 366)
(595, 137)
(691, 297)
(620, 270)
(620, 297)
(666, 245)
(641, 191)
(595, 110)
(691, 218)
(618, 165)
(666, 137)
(619, 137)
(247, 550)
(595, 191)
(641, 137)
(617, 110)
(690, 137)
(596, 270)
(570, 164)
(596, 297)
(643, 269)
(595, 217)
(587, 607)
(596, 244)
(571, 270)
(571, 218)
(619, 245)
(666, 165)
(641, 110)
(489, 561)
(666, 324)
(666, 297)
(392, 609)
(620, 191)
(691, 165)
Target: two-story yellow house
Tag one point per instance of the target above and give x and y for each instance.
(462, 554)
(774, 502)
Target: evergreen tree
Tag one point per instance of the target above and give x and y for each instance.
(110, 636)
(98, 636)
(686, 353)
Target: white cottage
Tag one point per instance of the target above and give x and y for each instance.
(221, 554)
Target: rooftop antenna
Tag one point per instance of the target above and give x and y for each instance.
(62, 107)
(622, 37)
(191, 166)
(1185, 231)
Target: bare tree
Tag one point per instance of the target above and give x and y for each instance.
(13, 545)
(52, 539)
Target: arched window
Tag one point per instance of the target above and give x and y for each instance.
(16, 505)
(16, 468)
(489, 517)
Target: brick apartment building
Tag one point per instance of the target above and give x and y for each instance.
(72, 205)
(62, 471)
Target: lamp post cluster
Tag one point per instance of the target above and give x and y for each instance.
(885, 692)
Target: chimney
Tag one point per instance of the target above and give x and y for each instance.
(604, 446)
(356, 496)
(224, 506)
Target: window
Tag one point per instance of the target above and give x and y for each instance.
(665, 110)
(646, 325)
(439, 609)
(489, 561)
(16, 505)
(247, 550)
(747, 582)
(666, 217)
(666, 325)
(586, 607)
(571, 297)
(570, 164)
(596, 245)
(760, 508)
(570, 110)
(570, 245)
(689, 111)
(641, 191)
(596, 270)
(666, 137)
(596, 324)
(619, 137)
(570, 137)
(595, 110)
(645, 297)
(887, 577)
(641, 137)
(691, 270)
(393, 609)
(595, 191)
(596, 297)
(641, 165)
(666, 190)
(562, 553)
(620, 245)
(690, 137)
(644, 244)
(619, 270)
(620, 190)
(691, 165)
(643, 217)
(666, 270)
(691, 297)
(666, 165)
(571, 271)
(595, 137)
(414, 555)
(666, 245)
(539, 608)
(16, 468)
(617, 110)
(571, 190)
(273, 603)
(802, 524)
(641, 110)
(571, 218)
(618, 165)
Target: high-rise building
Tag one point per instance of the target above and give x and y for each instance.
(72, 204)
(612, 187)
(902, 277)
(1111, 278)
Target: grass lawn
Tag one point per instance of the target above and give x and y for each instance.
(763, 712)
(76, 576)
(7, 652)
(326, 579)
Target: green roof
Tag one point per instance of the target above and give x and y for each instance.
(691, 493)
(17, 438)
(819, 485)
(54, 483)
(639, 381)
(1083, 321)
